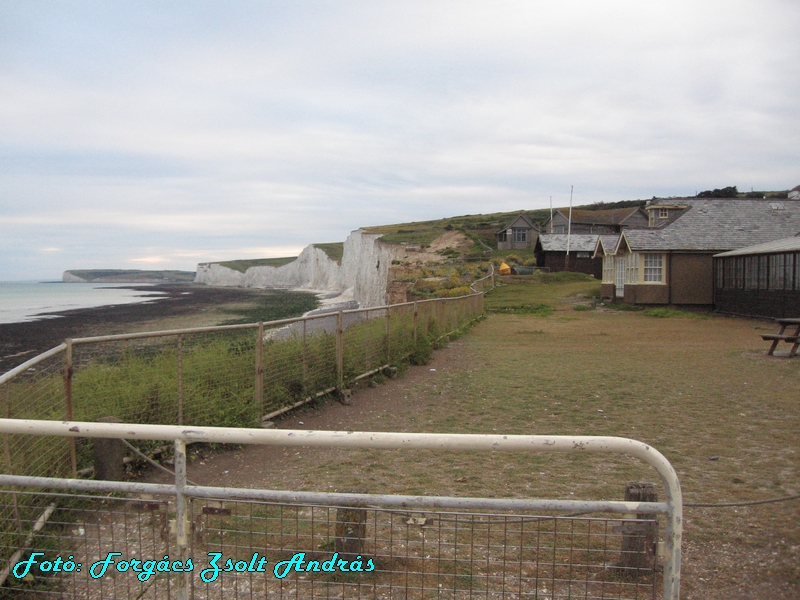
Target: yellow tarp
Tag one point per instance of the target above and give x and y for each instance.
(505, 269)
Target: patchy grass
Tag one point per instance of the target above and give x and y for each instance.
(666, 313)
(272, 306)
(582, 307)
(515, 292)
(243, 264)
(334, 250)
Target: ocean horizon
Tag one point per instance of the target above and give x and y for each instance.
(22, 301)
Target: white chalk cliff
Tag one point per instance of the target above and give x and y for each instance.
(364, 270)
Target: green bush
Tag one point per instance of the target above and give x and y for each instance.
(422, 351)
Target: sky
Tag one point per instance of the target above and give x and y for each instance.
(156, 135)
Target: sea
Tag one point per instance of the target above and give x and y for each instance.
(22, 301)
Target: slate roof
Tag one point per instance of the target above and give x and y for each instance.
(608, 243)
(791, 244)
(557, 242)
(719, 224)
(526, 223)
(610, 216)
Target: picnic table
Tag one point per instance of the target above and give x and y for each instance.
(789, 338)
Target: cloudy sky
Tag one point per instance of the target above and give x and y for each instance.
(162, 134)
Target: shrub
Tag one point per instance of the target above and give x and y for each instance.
(422, 351)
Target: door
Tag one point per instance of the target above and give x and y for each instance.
(619, 280)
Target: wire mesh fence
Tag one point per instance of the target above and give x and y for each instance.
(120, 548)
(221, 376)
(335, 552)
(75, 531)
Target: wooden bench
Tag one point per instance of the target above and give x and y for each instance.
(789, 338)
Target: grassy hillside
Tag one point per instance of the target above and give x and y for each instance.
(480, 228)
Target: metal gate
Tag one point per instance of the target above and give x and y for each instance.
(188, 541)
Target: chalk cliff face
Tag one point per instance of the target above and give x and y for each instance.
(364, 269)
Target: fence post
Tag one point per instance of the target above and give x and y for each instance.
(388, 341)
(305, 359)
(181, 517)
(415, 321)
(258, 393)
(639, 539)
(180, 379)
(351, 530)
(68, 372)
(108, 455)
(7, 452)
(339, 350)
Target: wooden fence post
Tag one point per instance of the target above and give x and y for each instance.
(258, 395)
(68, 372)
(351, 530)
(639, 539)
(108, 455)
(339, 350)
(416, 322)
(180, 379)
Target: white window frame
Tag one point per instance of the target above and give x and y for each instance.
(632, 268)
(520, 235)
(608, 269)
(663, 213)
(653, 268)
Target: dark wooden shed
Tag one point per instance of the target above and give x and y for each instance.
(759, 281)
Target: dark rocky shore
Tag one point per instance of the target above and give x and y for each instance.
(22, 341)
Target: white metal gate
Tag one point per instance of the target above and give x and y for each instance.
(469, 557)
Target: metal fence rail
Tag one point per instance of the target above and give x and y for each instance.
(420, 547)
(223, 376)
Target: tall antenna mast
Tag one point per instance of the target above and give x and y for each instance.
(569, 230)
(551, 214)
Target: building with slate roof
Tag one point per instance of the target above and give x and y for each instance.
(519, 234)
(551, 253)
(759, 281)
(671, 261)
(607, 221)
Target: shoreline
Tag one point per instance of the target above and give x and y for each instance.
(180, 306)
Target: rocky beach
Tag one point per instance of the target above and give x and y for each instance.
(180, 306)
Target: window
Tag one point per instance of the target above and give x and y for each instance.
(560, 229)
(751, 272)
(777, 271)
(608, 269)
(797, 271)
(663, 213)
(583, 255)
(632, 268)
(763, 271)
(502, 236)
(653, 268)
(520, 235)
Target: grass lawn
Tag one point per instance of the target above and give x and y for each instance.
(701, 391)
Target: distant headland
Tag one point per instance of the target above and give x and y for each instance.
(126, 276)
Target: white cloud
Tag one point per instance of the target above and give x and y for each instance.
(272, 126)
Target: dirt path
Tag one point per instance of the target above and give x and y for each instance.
(387, 407)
